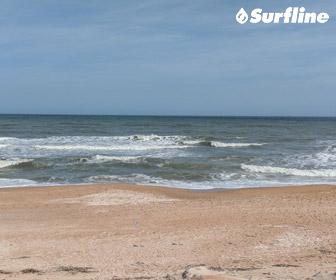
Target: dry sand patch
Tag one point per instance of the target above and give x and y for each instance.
(116, 197)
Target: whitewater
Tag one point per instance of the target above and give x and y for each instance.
(185, 152)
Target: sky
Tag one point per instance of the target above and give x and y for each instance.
(164, 57)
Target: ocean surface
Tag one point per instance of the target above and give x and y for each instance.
(186, 152)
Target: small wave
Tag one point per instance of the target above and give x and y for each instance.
(106, 178)
(144, 137)
(109, 148)
(154, 137)
(103, 158)
(290, 171)
(187, 165)
(131, 179)
(4, 182)
(13, 162)
(227, 176)
(234, 145)
(192, 142)
(3, 146)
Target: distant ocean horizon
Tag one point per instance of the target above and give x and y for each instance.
(198, 152)
(168, 116)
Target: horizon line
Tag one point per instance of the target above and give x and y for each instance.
(157, 115)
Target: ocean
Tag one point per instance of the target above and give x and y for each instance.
(185, 152)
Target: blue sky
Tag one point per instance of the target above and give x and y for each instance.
(167, 57)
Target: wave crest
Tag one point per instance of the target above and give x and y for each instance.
(233, 145)
(130, 179)
(128, 159)
(110, 148)
(290, 171)
(154, 137)
(13, 162)
(4, 182)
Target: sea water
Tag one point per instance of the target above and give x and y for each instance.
(185, 152)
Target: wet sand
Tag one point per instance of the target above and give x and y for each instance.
(138, 232)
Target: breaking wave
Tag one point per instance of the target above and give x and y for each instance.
(13, 162)
(103, 158)
(154, 137)
(234, 145)
(4, 182)
(132, 178)
(110, 148)
(290, 171)
(7, 138)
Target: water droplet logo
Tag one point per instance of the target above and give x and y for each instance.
(242, 16)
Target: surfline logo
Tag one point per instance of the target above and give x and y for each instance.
(290, 15)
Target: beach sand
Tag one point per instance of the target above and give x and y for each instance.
(116, 231)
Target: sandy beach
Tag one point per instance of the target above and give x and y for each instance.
(113, 231)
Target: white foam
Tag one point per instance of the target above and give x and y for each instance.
(6, 138)
(132, 178)
(153, 137)
(103, 178)
(326, 157)
(103, 158)
(6, 163)
(227, 176)
(321, 159)
(229, 181)
(234, 145)
(110, 148)
(144, 137)
(192, 142)
(3, 146)
(290, 171)
(16, 183)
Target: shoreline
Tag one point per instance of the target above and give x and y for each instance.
(196, 190)
(117, 231)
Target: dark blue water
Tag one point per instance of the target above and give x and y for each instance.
(189, 152)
